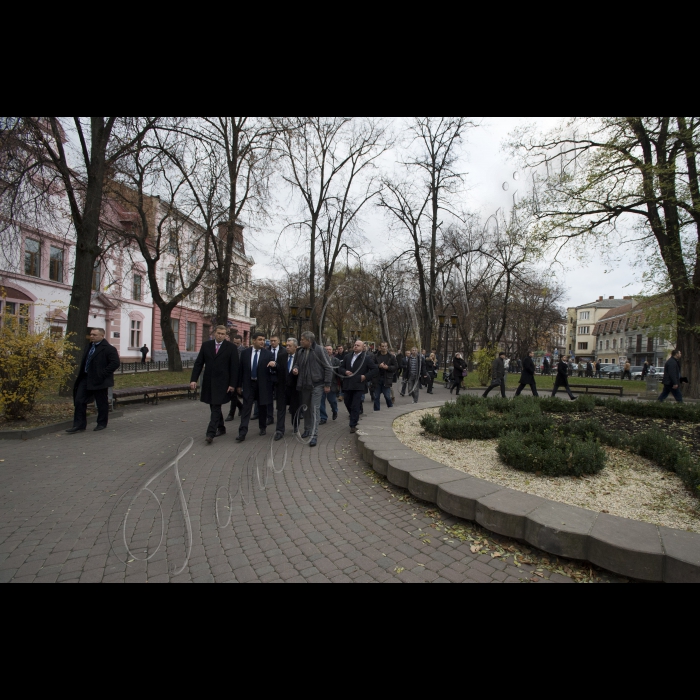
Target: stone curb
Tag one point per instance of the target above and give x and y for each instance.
(48, 429)
(625, 547)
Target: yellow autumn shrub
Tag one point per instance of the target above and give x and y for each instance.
(29, 361)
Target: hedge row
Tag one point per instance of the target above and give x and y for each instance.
(552, 454)
(529, 442)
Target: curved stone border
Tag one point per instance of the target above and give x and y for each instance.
(625, 547)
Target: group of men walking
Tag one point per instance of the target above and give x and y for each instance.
(303, 378)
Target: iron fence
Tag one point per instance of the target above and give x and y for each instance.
(139, 367)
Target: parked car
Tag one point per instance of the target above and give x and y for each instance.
(653, 372)
(611, 372)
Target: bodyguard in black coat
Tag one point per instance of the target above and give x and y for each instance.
(219, 360)
(96, 376)
(528, 376)
(359, 368)
(562, 379)
(256, 380)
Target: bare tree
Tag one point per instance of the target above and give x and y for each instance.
(421, 202)
(81, 174)
(328, 159)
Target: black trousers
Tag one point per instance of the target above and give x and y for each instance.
(562, 384)
(236, 403)
(83, 397)
(495, 384)
(287, 397)
(353, 402)
(532, 384)
(248, 411)
(217, 421)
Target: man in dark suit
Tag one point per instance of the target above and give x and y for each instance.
(280, 357)
(255, 383)
(219, 360)
(287, 393)
(358, 367)
(95, 378)
(528, 376)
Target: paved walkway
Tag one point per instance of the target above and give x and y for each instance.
(64, 502)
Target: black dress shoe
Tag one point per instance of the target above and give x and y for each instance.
(240, 438)
(220, 433)
(263, 433)
(270, 421)
(230, 419)
(99, 428)
(335, 416)
(353, 431)
(210, 440)
(279, 436)
(314, 442)
(74, 431)
(324, 422)
(307, 434)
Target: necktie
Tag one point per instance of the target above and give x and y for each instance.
(255, 365)
(291, 363)
(89, 359)
(218, 347)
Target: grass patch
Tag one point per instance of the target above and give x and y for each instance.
(130, 381)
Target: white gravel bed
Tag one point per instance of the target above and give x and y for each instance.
(629, 487)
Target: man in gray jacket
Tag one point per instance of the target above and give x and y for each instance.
(315, 376)
(499, 375)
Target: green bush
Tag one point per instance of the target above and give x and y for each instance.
(585, 404)
(652, 409)
(552, 454)
(593, 430)
(670, 454)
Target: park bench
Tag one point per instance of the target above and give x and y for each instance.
(598, 390)
(152, 394)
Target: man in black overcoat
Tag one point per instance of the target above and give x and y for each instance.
(255, 383)
(562, 380)
(96, 376)
(672, 378)
(359, 368)
(287, 393)
(528, 376)
(218, 359)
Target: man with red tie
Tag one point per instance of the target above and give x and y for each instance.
(219, 360)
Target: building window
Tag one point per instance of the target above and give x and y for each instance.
(135, 334)
(607, 345)
(138, 290)
(585, 316)
(170, 284)
(14, 313)
(232, 306)
(191, 337)
(206, 333)
(56, 332)
(56, 265)
(32, 258)
(172, 243)
(96, 277)
(614, 344)
(584, 330)
(176, 329)
(583, 346)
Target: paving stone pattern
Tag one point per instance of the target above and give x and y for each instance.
(63, 502)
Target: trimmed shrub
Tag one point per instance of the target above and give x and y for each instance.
(669, 454)
(551, 454)
(593, 430)
(585, 404)
(652, 409)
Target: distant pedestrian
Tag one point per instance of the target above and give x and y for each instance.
(498, 371)
(332, 397)
(628, 372)
(528, 376)
(416, 372)
(358, 368)
(562, 380)
(589, 371)
(672, 378)
(388, 367)
(459, 373)
(645, 371)
(144, 354)
(431, 365)
(547, 368)
(96, 376)
(581, 370)
(598, 369)
(404, 371)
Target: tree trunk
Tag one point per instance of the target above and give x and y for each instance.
(171, 343)
(689, 341)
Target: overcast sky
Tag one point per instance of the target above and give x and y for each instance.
(488, 169)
